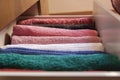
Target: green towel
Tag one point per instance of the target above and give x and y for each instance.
(102, 62)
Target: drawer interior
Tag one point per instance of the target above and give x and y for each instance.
(105, 21)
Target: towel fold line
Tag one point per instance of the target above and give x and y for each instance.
(67, 26)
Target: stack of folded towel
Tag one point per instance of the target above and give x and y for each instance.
(42, 35)
(57, 44)
(55, 31)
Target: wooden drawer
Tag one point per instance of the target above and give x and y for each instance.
(102, 16)
(11, 9)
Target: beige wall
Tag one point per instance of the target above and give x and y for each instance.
(61, 6)
(69, 6)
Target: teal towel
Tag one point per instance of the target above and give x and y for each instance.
(102, 62)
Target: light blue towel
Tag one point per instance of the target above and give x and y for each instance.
(46, 52)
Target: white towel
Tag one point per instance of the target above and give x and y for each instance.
(61, 47)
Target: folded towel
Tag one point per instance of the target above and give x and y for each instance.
(53, 40)
(67, 26)
(45, 52)
(97, 62)
(61, 47)
(23, 30)
(71, 21)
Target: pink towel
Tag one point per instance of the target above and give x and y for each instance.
(24, 30)
(72, 21)
(54, 40)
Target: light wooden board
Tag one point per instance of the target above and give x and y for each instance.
(11, 9)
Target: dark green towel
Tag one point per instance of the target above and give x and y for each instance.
(102, 62)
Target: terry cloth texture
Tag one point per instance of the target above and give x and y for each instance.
(24, 30)
(53, 40)
(61, 47)
(20, 70)
(70, 21)
(46, 52)
(90, 62)
(67, 26)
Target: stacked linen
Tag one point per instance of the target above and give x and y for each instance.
(33, 34)
(57, 44)
(55, 31)
(43, 35)
(66, 23)
(57, 57)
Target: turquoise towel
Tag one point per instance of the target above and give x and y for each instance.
(97, 62)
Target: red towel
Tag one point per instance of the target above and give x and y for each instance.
(24, 30)
(54, 39)
(72, 21)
